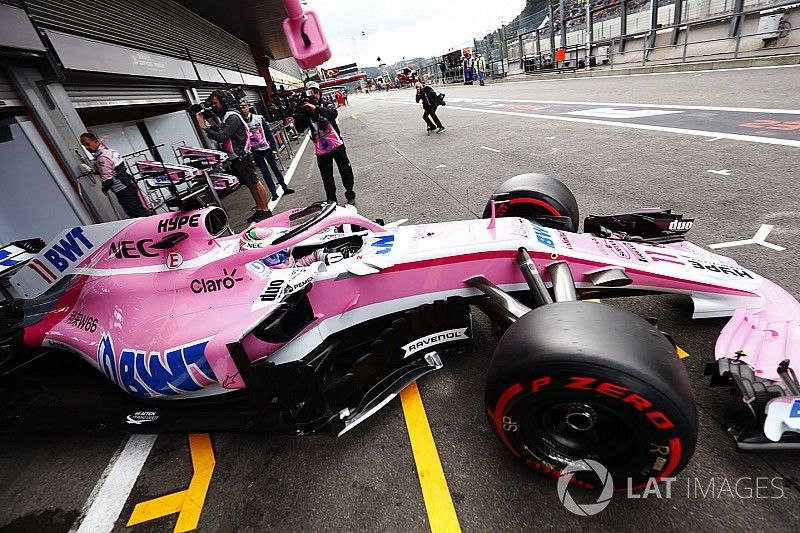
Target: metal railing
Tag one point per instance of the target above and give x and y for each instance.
(648, 41)
(619, 22)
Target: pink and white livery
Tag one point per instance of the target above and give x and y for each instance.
(313, 319)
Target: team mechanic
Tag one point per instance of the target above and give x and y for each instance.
(115, 177)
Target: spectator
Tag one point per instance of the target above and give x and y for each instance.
(480, 66)
(115, 177)
(231, 132)
(430, 101)
(328, 145)
(263, 144)
(468, 68)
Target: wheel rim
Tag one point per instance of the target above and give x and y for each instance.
(578, 430)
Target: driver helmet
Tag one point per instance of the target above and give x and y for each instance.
(260, 238)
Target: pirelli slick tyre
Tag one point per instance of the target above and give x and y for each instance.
(580, 380)
(533, 195)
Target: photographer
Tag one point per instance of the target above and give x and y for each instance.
(328, 144)
(430, 101)
(230, 130)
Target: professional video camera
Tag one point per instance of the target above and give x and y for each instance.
(203, 108)
(227, 98)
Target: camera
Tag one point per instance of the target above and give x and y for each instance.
(228, 99)
(203, 108)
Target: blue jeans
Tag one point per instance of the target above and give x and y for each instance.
(264, 157)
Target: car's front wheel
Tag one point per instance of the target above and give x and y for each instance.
(580, 380)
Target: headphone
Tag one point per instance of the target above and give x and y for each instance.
(225, 98)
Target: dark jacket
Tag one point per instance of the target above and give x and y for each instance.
(302, 120)
(234, 129)
(428, 97)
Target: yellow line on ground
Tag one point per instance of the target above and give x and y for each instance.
(156, 508)
(189, 502)
(203, 463)
(439, 504)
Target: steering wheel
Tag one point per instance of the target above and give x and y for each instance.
(323, 210)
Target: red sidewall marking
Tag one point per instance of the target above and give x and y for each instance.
(535, 201)
(676, 451)
(500, 410)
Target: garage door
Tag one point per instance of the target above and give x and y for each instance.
(85, 96)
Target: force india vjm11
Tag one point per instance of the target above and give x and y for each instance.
(204, 332)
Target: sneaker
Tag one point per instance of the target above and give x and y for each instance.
(287, 190)
(440, 130)
(259, 215)
(275, 197)
(351, 201)
(431, 128)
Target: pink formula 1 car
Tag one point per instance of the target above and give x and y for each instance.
(313, 319)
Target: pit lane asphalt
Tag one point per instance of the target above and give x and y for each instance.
(367, 481)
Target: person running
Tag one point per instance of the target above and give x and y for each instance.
(430, 101)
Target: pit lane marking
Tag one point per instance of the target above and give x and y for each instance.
(630, 125)
(438, 502)
(287, 177)
(759, 238)
(611, 112)
(188, 503)
(490, 149)
(113, 488)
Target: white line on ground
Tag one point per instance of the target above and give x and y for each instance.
(695, 72)
(759, 238)
(656, 106)
(665, 129)
(442, 166)
(712, 140)
(723, 172)
(490, 149)
(290, 172)
(105, 503)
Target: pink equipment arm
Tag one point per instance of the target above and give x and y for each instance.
(304, 35)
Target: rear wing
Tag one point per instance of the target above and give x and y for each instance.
(32, 275)
(13, 257)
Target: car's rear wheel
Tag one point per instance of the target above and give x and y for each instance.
(531, 196)
(579, 380)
